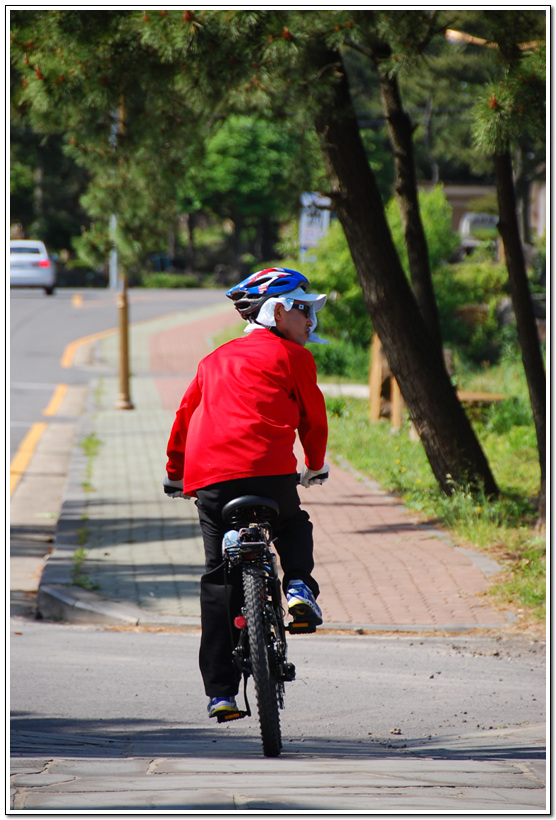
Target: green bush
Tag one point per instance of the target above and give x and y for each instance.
(475, 281)
(342, 358)
(436, 216)
(502, 417)
(538, 273)
(168, 280)
(330, 270)
(335, 405)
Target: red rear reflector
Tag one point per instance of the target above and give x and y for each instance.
(240, 622)
(44, 263)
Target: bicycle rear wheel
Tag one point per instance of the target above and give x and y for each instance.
(266, 686)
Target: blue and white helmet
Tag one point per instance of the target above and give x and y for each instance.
(253, 292)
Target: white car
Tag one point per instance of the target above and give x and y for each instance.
(31, 266)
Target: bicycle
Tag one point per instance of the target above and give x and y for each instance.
(261, 650)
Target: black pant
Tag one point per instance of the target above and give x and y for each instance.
(221, 592)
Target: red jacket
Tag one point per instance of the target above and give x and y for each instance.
(239, 415)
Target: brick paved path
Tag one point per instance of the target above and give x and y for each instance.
(374, 562)
(175, 353)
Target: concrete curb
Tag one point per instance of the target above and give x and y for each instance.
(72, 604)
(63, 602)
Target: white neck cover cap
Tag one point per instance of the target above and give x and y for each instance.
(266, 319)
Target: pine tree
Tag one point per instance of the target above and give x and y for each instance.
(113, 85)
(507, 111)
(127, 86)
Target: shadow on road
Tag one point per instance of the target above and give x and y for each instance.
(33, 737)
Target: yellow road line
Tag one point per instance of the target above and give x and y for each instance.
(57, 398)
(24, 454)
(77, 300)
(69, 352)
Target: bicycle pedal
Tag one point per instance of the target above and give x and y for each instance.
(288, 672)
(225, 717)
(301, 627)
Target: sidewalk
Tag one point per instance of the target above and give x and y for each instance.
(379, 569)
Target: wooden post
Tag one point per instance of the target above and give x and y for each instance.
(375, 380)
(396, 402)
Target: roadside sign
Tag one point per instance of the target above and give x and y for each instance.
(314, 220)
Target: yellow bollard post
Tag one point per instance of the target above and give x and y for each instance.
(124, 400)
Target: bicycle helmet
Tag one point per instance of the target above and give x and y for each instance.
(252, 292)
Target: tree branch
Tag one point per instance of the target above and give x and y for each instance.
(454, 36)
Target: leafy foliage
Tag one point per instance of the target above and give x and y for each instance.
(436, 215)
(467, 295)
(253, 169)
(168, 280)
(137, 93)
(516, 105)
(343, 360)
(45, 188)
(330, 268)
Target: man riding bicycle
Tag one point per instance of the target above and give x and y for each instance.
(234, 435)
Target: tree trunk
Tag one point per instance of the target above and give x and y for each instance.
(266, 237)
(172, 244)
(237, 238)
(38, 193)
(451, 446)
(191, 223)
(400, 130)
(527, 334)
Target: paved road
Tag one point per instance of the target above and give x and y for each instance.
(42, 328)
(50, 374)
(116, 721)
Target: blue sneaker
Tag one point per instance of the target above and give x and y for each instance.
(302, 604)
(221, 706)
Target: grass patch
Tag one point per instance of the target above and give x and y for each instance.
(77, 574)
(82, 535)
(527, 583)
(90, 445)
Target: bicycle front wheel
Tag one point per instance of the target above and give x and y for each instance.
(266, 686)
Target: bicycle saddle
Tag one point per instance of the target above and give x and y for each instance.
(251, 508)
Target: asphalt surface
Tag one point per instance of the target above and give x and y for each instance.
(381, 572)
(116, 720)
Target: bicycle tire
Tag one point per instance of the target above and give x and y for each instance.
(266, 687)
